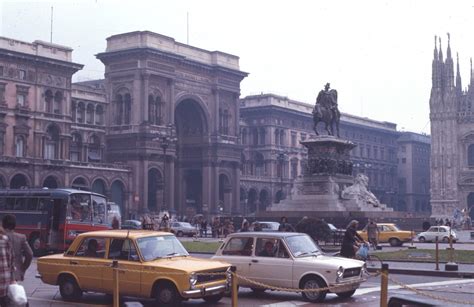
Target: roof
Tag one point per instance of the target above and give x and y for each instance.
(271, 234)
(124, 233)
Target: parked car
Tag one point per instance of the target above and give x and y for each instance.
(153, 265)
(131, 224)
(442, 232)
(183, 229)
(289, 260)
(266, 226)
(389, 233)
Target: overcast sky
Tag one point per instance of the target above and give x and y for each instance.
(377, 54)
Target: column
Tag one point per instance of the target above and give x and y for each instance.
(171, 185)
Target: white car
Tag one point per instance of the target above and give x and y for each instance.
(266, 226)
(290, 260)
(442, 232)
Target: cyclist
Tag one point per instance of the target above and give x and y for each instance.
(351, 240)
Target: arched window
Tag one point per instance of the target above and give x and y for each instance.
(119, 113)
(226, 122)
(244, 136)
(277, 137)
(254, 136)
(74, 111)
(75, 149)
(81, 110)
(262, 136)
(259, 165)
(48, 98)
(159, 110)
(99, 115)
(470, 155)
(20, 146)
(90, 114)
(282, 137)
(151, 109)
(51, 143)
(94, 154)
(58, 99)
(128, 109)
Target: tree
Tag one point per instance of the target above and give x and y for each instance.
(315, 228)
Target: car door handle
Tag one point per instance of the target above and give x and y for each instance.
(73, 262)
(254, 260)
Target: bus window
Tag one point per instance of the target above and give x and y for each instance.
(32, 204)
(44, 204)
(20, 204)
(99, 209)
(10, 203)
(80, 207)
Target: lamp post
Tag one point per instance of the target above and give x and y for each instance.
(166, 139)
(281, 159)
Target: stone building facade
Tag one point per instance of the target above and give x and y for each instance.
(164, 130)
(272, 127)
(414, 172)
(174, 119)
(452, 131)
(45, 140)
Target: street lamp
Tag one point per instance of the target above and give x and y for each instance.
(166, 139)
(281, 159)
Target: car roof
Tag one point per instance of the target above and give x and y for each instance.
(264, 234)
(124, 233)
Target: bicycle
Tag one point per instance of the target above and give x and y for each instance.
(372, 262)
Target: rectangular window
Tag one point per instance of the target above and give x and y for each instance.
(21, 99)
(239, 247)
(404, 160)
(1, 71)
(121, 249)
(49, 149)
(293, 139)
(92, 248)
(22, 74)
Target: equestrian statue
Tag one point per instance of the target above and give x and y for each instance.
(326, 110)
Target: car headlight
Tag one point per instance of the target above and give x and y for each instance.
(192, 280)
(339, 273)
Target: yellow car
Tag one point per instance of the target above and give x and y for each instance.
(389, 233)
(151, 265)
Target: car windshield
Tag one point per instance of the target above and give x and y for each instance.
(182, 224)
(332, 227)
(157, 247)
(302, 245)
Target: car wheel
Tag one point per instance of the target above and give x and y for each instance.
(167, 295)
(346, 294)
(69, 289)
(180, 233)
(258, 290)
(422, 239)
(313, 283)
(446, 240)
(395, 242)
(213, 298)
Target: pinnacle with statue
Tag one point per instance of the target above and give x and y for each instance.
(326, 111)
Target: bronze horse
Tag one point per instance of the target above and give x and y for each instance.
(326, 110)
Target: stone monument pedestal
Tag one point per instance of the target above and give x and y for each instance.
(327, 174)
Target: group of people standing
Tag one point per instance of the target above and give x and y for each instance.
(15, 257)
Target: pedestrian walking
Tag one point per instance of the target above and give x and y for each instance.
(285, 226)
(22, 253)
(7, 269)
(115, 223)
(373, 233)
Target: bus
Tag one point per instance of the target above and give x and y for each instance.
(52, 218)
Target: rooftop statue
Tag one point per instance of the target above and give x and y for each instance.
(326, 110)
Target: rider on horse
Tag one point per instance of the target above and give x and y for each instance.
(326, 110)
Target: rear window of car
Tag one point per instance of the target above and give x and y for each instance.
(239, 246)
